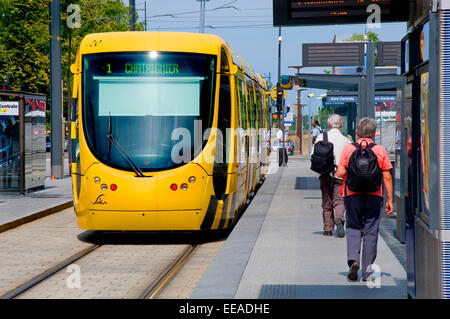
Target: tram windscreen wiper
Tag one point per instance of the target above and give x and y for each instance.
(112, 141)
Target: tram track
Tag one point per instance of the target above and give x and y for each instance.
(48, 273)
(156, 287)
(148, 258)
(168, 266)
(151, 291)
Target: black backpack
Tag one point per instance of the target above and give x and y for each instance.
(364, 173)
(322, 159)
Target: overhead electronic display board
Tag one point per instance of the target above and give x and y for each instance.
(332, 54)
(325, 12)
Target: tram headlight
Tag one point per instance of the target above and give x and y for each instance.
(96, 180)
(104, 187)
(192, 179)
(184, 186)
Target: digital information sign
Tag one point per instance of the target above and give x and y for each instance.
(326, 12)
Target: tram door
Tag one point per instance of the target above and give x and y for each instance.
(242, 142)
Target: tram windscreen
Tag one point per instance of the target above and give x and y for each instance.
(153, 104)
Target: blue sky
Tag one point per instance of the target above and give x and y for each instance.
(247, 25)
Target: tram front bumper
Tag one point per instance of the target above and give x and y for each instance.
(144, 221)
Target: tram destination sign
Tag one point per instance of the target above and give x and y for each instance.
(326, 12)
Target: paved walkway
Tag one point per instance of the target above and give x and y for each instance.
(16, 209)
(277, 249)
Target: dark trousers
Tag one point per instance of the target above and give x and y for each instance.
(332, 202)
(280, 156)
(363, 222)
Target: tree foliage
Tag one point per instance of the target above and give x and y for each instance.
(24, 44)
(25, 38)
(371, 37)
(96, 16)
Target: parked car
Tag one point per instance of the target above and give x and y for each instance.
(290, 148)
(274, 146)
(48, 144)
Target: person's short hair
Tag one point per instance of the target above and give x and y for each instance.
(334, 121)
(366, 127)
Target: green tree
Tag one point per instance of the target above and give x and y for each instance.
(4, 5)
(96, 16)
(24, 44)
(324, 114)
(371, 37)
(25, 39)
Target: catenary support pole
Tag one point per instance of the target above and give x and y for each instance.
(55, 91)
(370, 71)
(132, 7)
(202, 16)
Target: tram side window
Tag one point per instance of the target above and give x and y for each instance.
(224, 67)
(258, 112)
(224, 122)
(258, 107)
(251, 102)
(241, 106)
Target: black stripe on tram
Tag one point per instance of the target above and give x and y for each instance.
(224, 211)
(210, 214)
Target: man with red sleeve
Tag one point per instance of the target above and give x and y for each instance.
(364, 208)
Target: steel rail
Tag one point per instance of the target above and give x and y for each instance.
(155, 287)
(44, 275)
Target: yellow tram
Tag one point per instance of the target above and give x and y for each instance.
(168, 132)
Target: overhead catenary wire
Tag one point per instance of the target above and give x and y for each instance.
(212, 18)
(216, 27)
(225, 6)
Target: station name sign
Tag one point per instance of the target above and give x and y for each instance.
(326, 12)
(342, 99)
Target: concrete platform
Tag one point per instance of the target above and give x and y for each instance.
(277, 249)
(16, 209)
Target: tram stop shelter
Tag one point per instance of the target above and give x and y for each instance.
(22, 141)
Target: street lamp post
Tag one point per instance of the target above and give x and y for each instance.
(280, 109)
(310, 96)
(132, 8)
(299, 109)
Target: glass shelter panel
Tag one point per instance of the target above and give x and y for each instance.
(9, 146)
(424, 155)
(35, 134)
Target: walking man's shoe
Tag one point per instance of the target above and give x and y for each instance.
(328, 233)
(353, 272)
(340, 231)
(369, 278)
